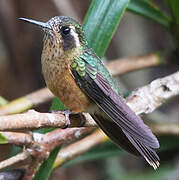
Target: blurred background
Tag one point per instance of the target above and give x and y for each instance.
(20, 74)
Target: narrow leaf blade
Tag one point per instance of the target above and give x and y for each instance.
(101, 22)
(3, 139)
(46, 168)
(149, 10)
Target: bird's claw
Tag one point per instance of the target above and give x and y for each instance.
(66, 113)
(67, 117)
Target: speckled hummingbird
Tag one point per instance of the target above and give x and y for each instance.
(77, 76)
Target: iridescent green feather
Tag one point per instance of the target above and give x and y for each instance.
(94, 65)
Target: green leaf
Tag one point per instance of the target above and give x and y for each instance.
(174, 8)
(46, 168)
(101, 22)
(149, 10)
(3, 139)
(57, 105)
(15, 150)
(168, 143)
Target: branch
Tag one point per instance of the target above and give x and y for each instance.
(18, 138)
(116, 67)
(27, 102)
(15, 159)
(148, 98)
(125, 65)
(98, 137)
(143, 100)
(34, 120)
(165, 128)
(155, 94)
(44, 144)
(79, 147)
(39, 145)
(3, 101)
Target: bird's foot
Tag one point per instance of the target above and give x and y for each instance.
(67, 117)
(66, 113)
(83, 121)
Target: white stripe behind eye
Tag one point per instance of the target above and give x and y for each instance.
(75, 35)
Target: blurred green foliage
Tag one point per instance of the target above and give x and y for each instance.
(46, 167)
(3, 139)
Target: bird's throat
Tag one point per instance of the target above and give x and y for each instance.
(58, 77)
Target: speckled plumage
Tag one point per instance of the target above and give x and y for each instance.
(56, 63)
(76, 75)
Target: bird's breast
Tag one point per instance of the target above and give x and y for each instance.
(60, 81)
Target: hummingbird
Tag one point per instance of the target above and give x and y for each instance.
(78, 77)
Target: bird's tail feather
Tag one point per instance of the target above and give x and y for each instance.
(122, 138)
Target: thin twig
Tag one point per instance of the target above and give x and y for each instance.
(27, 102)
(15, 159)
(39, 145)
(32, 169)
(98, 137)
(3, 101)
(44, 144)
(79, 147)
(147, 98)
(165, 128)
(125, 65)
(34, 120)
(18, 138)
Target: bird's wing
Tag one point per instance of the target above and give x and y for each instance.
(98, 88)
(126, 142)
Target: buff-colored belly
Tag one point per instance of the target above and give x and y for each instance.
(63, 85)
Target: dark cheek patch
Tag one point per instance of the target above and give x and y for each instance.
(68, 42)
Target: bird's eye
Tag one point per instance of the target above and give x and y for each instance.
(65, 30)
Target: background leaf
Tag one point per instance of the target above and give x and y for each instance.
(101, 22)
(46, 168)
(149, 10)
(174, 8)
(3, 139)
(109, 149)
(57, 105)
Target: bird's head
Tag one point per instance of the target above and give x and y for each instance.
(61, 31)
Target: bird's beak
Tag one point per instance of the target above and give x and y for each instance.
(38, 23)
